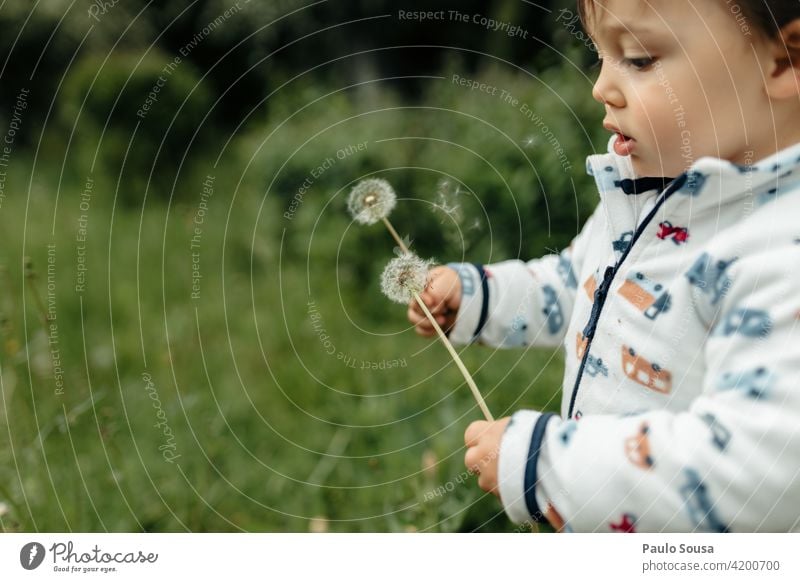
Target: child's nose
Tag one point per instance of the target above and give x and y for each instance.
(606, 90)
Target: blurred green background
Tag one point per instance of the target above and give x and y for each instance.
(193, 334)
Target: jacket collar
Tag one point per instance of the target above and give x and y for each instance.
(709, 184)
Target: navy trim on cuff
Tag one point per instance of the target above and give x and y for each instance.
(530, 468)
(485, 304)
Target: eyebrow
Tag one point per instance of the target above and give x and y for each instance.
(619, 28)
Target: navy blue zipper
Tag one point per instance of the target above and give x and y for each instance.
(601, 293)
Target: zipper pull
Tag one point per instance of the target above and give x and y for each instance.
(600, 295)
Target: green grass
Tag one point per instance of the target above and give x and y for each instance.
(271, 430)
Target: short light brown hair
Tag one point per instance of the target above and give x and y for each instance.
(767, 17)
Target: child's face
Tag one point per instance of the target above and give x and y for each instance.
(680, 80)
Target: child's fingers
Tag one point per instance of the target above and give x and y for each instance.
(416, 315)
(421, 323)
(419, 319)
(425, 329)
(489, 484)
(416, 318)
(474, 432)
(432, 302)
(472, 460)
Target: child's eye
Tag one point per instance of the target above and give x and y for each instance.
(640, 63)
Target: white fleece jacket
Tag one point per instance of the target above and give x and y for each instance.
(679, 313)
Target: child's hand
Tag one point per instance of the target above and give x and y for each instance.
(483, 451)
(442, 296)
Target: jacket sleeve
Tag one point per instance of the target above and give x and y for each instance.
(731, 462)
(516, 304)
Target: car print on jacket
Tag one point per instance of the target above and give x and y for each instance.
(622, 243)
(566, 272)
(591, 283)
(698, 504)
(720, 435)
(580, 345)
(648, 296)
(647, 374)
(753, 383)
(595, 367)
(710, 276)
(678, 234)
(552, 309)
(637, 448)
(627, 524)
(516, 335)
(747, 322)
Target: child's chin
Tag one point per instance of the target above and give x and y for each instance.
(644, 167)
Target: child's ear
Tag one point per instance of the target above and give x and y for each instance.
(783, 80)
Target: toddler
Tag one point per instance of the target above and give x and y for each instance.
(678, 303)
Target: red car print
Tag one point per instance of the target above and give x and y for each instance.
(627, 524)
(678, 234)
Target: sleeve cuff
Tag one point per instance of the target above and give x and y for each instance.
(519, 454)
(474, 303)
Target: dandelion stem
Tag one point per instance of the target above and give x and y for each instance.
(394, 234)
(456, 359)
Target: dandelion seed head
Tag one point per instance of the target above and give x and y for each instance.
(371, 200)
(405, 276)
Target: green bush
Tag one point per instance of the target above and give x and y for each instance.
(137, 117)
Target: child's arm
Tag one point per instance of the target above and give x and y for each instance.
(508, 304)
(731, 462)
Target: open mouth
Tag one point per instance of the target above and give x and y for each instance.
(623, 145)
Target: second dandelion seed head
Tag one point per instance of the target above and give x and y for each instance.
(405, 277)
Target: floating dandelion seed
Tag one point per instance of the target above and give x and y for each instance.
(403, 247)
(447, 201)
(529, 141)
(405, 277)
(371, 200)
